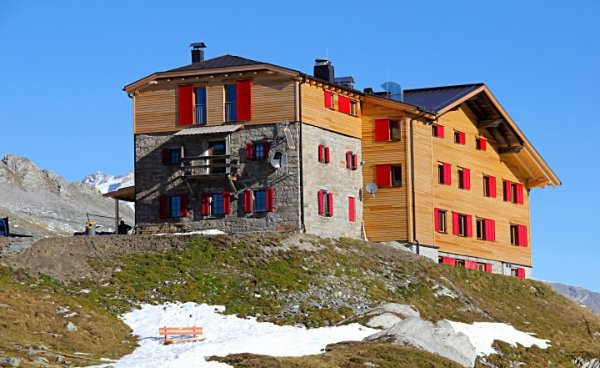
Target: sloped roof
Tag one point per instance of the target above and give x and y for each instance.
(437, 98)
(225, 61)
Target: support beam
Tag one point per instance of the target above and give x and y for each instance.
(492, 123)
(116, 216)
(513, 149)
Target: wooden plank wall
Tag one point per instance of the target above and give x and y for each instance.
(315, 113)
(385, 215)
(273, 100)
(472, 201)
(423, 183)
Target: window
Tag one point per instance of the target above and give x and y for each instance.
(461, 224)
(459, 137)
(200, 116)
(481, 267)
(489, 186)
(480, 228)
(481, 144)
(230, 102)
(464, 178)
(329, 100)
(513, 189)
(218, 161)
(444, 173)
(486, 229)
(440, 220)
(351, 161)
(174, 206)
(447, 260)
(461, 263)
(387, 130)
(177, 206)
(215, 204)
(257, 151)
(507, 191)
(171, 156)
(347, 106)
(518, 235)
(513, 192)
(517, 272)
(438, 130)
(325, 203)
(353, 108)
(351, 209)
(259, 200)
(388, 175)
(324, 154)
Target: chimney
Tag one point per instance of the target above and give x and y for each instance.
(324, 70)
(198, 52)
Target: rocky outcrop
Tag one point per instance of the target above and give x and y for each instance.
(583, 363)
(579, 295)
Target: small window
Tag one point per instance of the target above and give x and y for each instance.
(324, 154)
(230, 102)
(480, 229)
(461, 178)
(481, 144)
(513, 189)
(462, 225)
(438, 130)
(444, 173)
(459, 137)
(200, 115)
(329, 100)
(396, 175)
(174, 156)
(481, 267)
(175, 206)
(259, 151)
(514, 234)
(353, 108)
(217, 208)
(351, 161)
(260, 201)
(395, 130)
(440, 221)
(486, 186)
(325, 203)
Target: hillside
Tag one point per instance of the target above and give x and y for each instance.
(284, 279)
(42, 203)
(580, 295)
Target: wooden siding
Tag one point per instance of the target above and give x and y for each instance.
(315, 113)
(155, 110)
(424, 191)
(385, 215)
(473, 202)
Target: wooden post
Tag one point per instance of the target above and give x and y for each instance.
(116, 216)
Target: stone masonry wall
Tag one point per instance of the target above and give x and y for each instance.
(498, 267)
(154, 179)
(333, 177)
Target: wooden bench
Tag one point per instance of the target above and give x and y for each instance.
(174, 335)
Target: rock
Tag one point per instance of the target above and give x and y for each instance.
(439, 338)
(10, 362)
(582, 363)
(2, 305)
(385, 320)
(70, 326)
(441, 290)
(59, 360)
(41, 361)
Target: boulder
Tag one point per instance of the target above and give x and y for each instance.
(10, 362)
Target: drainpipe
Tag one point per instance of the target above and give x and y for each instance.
(412, 179)
(301, 186)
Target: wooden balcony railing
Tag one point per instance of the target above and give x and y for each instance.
(209, 166)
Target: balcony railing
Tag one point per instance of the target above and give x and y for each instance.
(230, 111)
(200, 111)
(209, 166)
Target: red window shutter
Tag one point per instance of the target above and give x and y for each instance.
(461, 138)
(519, 193)
(351, 209)
(466, 179)
(185, 101)
(327, 155)
(183, 212)
(455, 223)
(244, 99)
(521, 273)
(328, 99)
(321, 153)
(382, 130)
(321, 203)
(344, 104)
(522, 233)
(492, 188)
(205, 204)
(507, 191)
(383, 175)
(248, 205)
(354, 162)
(471, 265)
(165, 156)
(449, 261)
(482, 144)
(266, 148)
(440, 131)
(330, 203)
(163, 206)
(270, 200)
(227, 203)
(490, 230)
(348, 160)
(488, 267)
(447, 174)
(249, 150)
(436, 219)
(469, 221)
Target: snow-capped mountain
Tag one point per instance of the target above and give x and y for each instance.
(107, 183)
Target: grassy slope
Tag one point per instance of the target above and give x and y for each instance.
(230, 270)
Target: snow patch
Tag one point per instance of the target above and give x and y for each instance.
(225, 334)
(202, 232)
(483, 334)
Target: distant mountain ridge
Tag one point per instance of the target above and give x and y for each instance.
(579, 295)
(107, 183)
(40, 202)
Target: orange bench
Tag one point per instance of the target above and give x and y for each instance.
(174, 335)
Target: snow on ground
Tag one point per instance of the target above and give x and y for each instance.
(225, 334)
(201, 232)
(483, 334)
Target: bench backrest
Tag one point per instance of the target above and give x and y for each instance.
(174, 331)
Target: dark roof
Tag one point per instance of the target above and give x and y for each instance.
(436, 98)
(224, 61)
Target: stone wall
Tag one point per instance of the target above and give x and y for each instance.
(154, 179)
(498, 267)
(333, 177)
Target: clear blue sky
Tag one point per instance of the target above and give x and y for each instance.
(63, 65)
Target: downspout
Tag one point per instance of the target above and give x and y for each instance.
(412, 180)
(301, 186)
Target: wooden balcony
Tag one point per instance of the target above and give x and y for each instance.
(209, 167)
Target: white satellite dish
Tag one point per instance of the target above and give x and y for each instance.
(277, 159)
(289, 139)
(371, 188)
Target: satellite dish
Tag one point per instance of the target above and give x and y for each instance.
(393, 91)
(275, 158)
(371, 188)
(289, 139)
